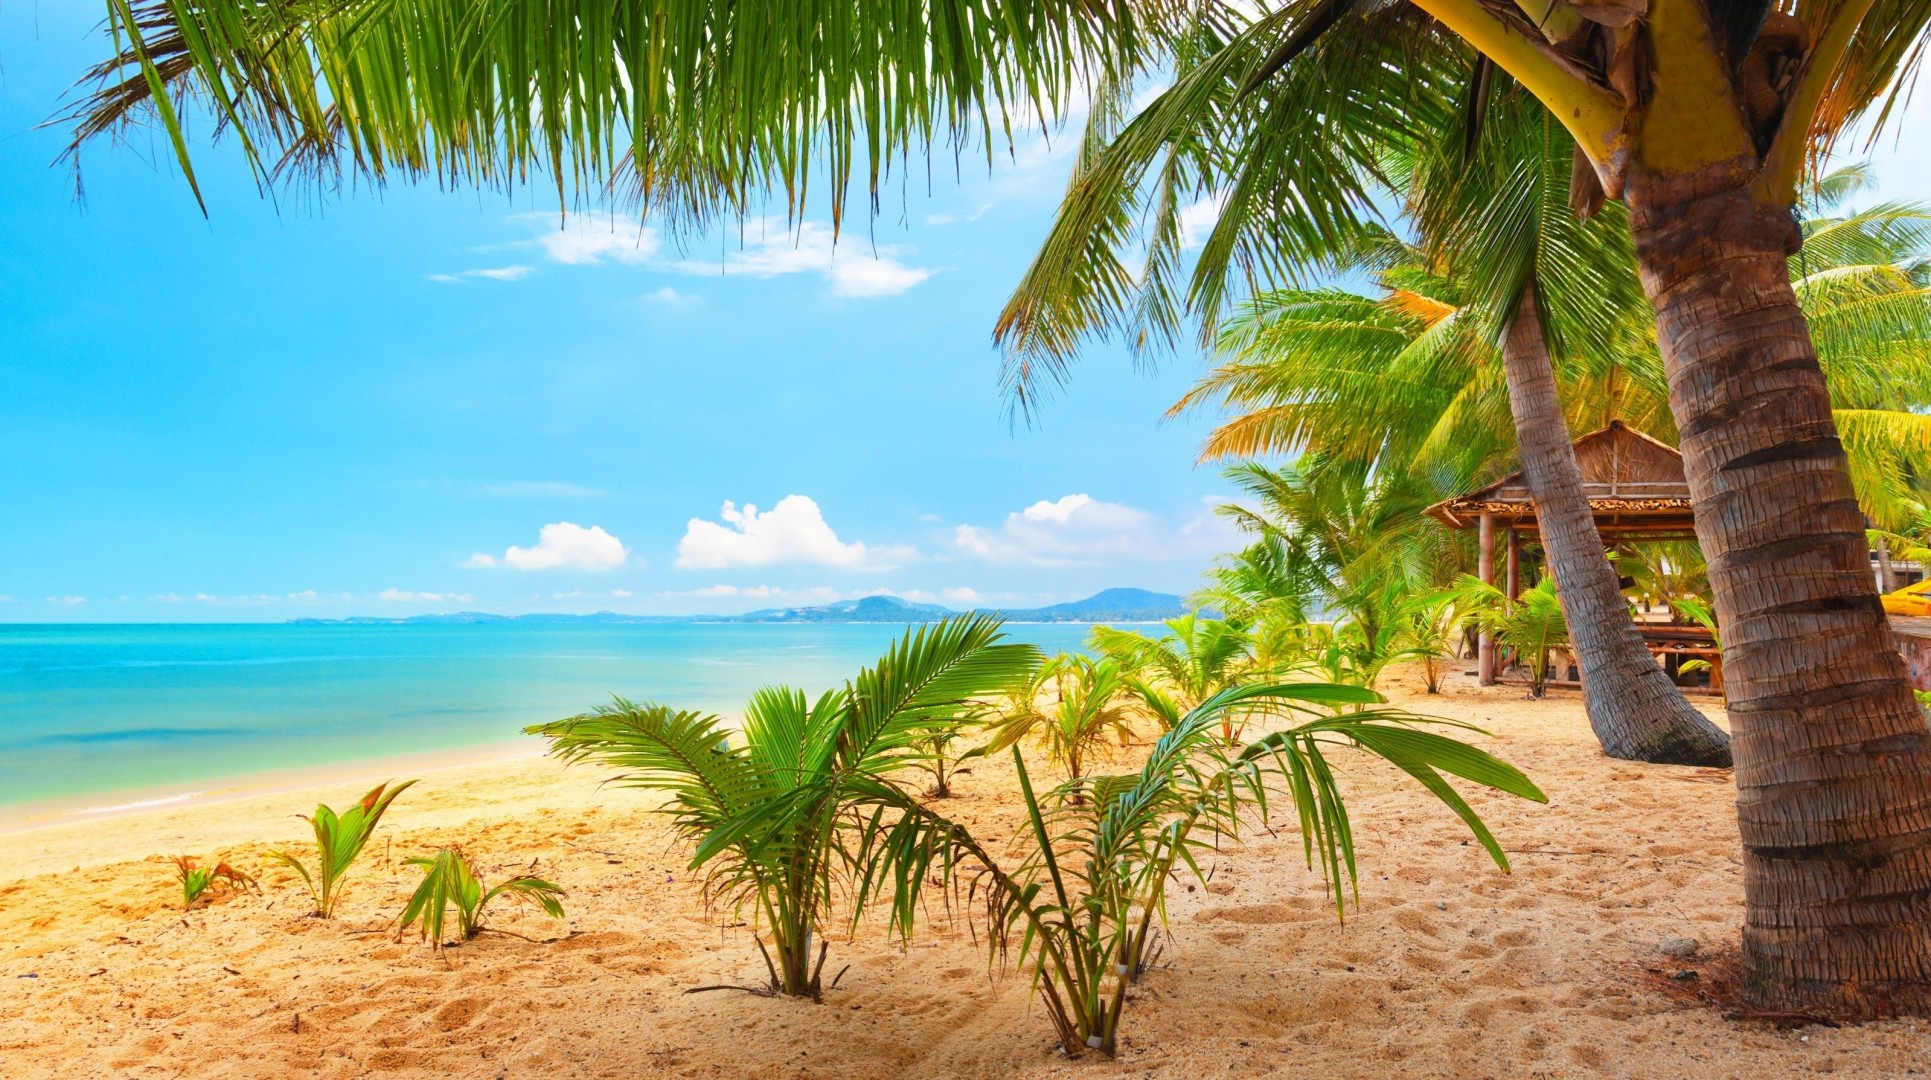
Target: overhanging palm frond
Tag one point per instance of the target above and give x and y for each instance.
(705, 105)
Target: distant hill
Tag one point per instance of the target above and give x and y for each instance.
(888, 609)
(1112, 605)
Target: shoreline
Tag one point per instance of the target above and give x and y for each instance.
(42, 815)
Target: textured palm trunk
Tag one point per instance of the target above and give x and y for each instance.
(1833, 753)
(1636, 711)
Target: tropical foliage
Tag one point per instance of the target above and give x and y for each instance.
(449, 883)
(1411, 375)
(1086, 711)
(1530, 624)
(339, 839)
(1197, 657)
(768, 808)
(1087, 897)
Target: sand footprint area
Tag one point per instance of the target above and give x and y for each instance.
(1446, 967)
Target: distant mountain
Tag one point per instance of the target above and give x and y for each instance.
(1112, 605)
(888, 609)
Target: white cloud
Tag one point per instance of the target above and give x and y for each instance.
(961, 595)
(67, 600)
(670, 297)
(1072, 529)
(402, 596)
(562, 545)
(620, 594)
(851, 270)
(496, 273)
(541, 489)
(794, 531)
(769, 247)
(587, 239)
(1198, 219)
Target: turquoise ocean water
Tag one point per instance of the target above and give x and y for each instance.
(91, 711)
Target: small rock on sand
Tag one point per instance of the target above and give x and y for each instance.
(1677, 946)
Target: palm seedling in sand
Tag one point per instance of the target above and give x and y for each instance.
(1196, 658)
(450, 882)
(197, 880)
(770, 807)
(1430, 632)
(1086, 708)
(1083, 899)
(1531, 624)
(339, 839)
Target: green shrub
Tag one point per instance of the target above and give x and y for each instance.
(339, 838)
(197, 880)
(449, 881)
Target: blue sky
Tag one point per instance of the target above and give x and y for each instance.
(335, 409)
(414, 400)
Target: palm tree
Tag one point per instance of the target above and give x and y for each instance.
(813, 758)
(1699, 116)
(1411, 375)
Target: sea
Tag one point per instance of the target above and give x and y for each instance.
(97, 718)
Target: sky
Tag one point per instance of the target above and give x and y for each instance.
(414, 400)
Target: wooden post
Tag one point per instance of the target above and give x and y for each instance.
(1886, 580)
(1485, 569)
(1515, 563)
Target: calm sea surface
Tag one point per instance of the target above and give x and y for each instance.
(88, 710)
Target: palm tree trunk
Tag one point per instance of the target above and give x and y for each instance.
(1833, 753)
(1638, 714)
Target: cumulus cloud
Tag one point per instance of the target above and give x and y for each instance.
(794, 531)
(1071, 529)
(563, 545)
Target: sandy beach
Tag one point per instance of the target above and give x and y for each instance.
(1448, 967)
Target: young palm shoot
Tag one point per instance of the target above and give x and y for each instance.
(1430, 632)
(1088, 711)
(450, 882)
(197, 880)
(339, 839)
(768, 807)
(1088, 896)
(1531, 624)
(1175, 672)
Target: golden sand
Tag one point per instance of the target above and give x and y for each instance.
(1448, 967)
